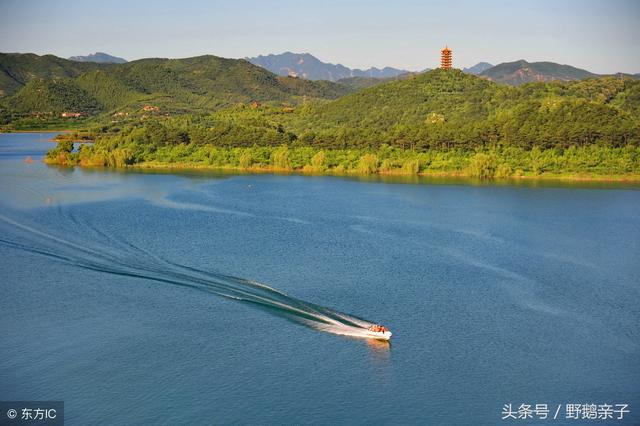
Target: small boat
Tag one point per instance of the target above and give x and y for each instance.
(379, 332)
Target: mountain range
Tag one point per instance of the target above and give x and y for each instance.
(305, 65)
(477, 68)
(99, 57)
(520, 72)
(34, 84)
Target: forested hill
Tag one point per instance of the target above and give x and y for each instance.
(435, 110)
(439, 121)
(520, 72)
(17, 69)
(197, 84)
(452, 109)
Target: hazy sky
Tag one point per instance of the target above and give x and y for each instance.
(601, 36)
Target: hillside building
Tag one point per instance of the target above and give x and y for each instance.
(445, 58)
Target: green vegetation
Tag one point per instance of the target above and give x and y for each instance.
(445, 110)
(81, 135)
(104, 92)
(17, 69)
(592, 161)
(358, 83)
(439, 122)
(215, 112)
(520, 72)
(53, 96)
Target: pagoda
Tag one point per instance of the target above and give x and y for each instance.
(445, 58)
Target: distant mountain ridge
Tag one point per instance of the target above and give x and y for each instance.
(100, 58)
(520, 72)
(307, 66)
(477, 68)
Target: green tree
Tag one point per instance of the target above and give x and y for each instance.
(482, 165)
(368, 164)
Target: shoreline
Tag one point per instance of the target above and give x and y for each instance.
(399, 174)
(308, 170)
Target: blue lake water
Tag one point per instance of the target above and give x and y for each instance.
(138, 298)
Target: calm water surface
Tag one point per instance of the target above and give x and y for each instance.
(132, 296)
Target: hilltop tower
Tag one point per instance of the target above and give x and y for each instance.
(445, 58)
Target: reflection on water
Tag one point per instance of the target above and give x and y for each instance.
(380, 349)
(515, 182)
(377, 178)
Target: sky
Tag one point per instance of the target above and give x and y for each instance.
(597, 35)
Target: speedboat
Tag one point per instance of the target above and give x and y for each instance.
(378, 332)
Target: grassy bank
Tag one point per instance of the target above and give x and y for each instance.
(575, 163)
(332, 172)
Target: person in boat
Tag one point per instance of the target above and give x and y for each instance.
(378, 328)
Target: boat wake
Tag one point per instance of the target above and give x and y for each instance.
(105, 254)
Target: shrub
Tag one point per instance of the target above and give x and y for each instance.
(97, 159)
(281, 158)
(319, 162)
(65, 146)
(368, 164)
(120, 157)
(411, 166)
(482, 166)
(246, 159)
(386, 166)
(339, 168)
(504, 170)
(536, 161)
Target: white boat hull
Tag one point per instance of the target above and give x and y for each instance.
(378, 335)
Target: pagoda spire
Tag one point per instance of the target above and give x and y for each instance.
(445, 58)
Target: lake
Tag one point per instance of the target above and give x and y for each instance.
(200, 298)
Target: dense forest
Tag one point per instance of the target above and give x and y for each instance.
(17, 69)
(436, 122)
(36, 90)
